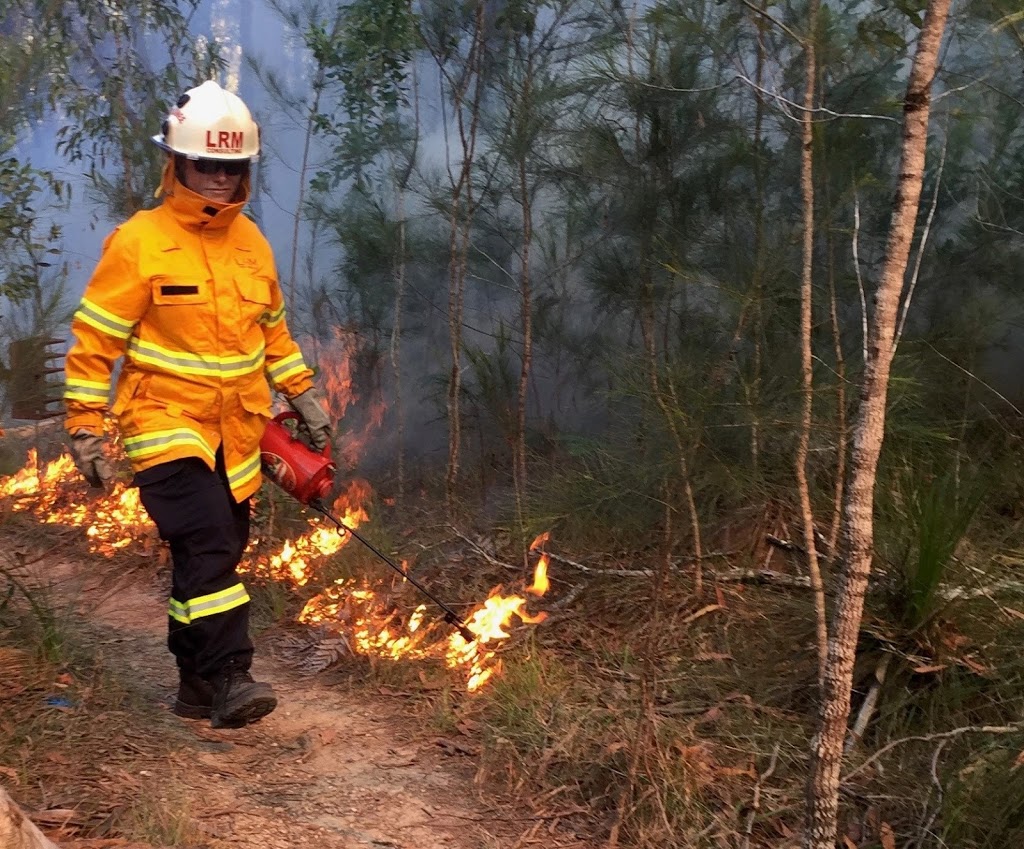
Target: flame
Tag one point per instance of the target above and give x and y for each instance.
(114, 520)
(540, 574)
(292, 564)
(337, 383)
(540, 583)
(359, 613)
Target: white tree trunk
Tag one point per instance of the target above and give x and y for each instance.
(858, 525)
(16, 831)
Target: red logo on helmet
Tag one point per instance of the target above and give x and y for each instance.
(224, 141)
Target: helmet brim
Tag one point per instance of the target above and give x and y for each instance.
(158, 140)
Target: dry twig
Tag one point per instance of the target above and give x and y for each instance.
(755, 805)
(1014, 728)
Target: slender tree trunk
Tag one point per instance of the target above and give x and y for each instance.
(754, 391)
(842, 435)
(120, 109)
(869, 432)
(458, 245)
(400, 273)
(842, 430)
(526, 304)
(396, 342)
(318, 82)
(300, 200)
(806, 337)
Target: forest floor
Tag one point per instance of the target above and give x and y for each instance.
(337, 766)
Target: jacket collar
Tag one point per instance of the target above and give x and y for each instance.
(195, 212)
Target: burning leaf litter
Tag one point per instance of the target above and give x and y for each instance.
(115, 520)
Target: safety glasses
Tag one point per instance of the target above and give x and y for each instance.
(231, 167)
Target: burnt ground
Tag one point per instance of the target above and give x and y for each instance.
(336, 766)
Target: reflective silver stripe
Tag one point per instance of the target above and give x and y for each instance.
(269, 319)
(86, 390)
(192, 363)
(207, 605)
(154, 443)
(103, 320)
(244, 471)
(286, 367)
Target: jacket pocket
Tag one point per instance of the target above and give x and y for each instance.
(254, 290)
(254, 299)
(174, 291)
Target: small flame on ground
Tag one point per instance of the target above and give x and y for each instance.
(292, 563)
(114, 520)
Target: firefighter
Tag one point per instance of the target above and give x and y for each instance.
(188, 294)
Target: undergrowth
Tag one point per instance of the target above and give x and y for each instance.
(76, 731)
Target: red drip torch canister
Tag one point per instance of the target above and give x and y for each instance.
(294, 466)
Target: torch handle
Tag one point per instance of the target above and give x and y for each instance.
(450, 616)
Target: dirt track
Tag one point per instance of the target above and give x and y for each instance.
(330, 768)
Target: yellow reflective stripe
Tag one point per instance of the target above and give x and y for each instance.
(244, 471)
(103, 320)
(187, 612)
(153, 443)
(177, 362)
(77, 389)
(271, 319)
(176, 610)
(286, 367)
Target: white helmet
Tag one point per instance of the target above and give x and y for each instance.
(210, 123)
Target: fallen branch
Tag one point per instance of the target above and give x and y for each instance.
(590, 570)
(1014, 728)
(867, 710)
(764, 576)
(479, 549)
(16, 830)
(954, 593)
(927, 827)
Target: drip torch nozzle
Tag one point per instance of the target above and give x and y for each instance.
(450, 616)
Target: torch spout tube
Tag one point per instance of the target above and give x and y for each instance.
(450, 616)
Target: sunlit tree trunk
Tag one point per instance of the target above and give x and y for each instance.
(806, 340)
(869, 432)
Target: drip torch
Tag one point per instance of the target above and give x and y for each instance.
(308, 476)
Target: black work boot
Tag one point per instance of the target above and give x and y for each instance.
(195, 697)
(238, 700)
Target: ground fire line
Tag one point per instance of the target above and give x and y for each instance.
(114, 521)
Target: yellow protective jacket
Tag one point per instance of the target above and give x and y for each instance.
(188, 294)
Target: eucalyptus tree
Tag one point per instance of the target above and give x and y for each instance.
(869, 433)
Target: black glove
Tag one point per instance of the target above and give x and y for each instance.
(90, 455)
(309, 406)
